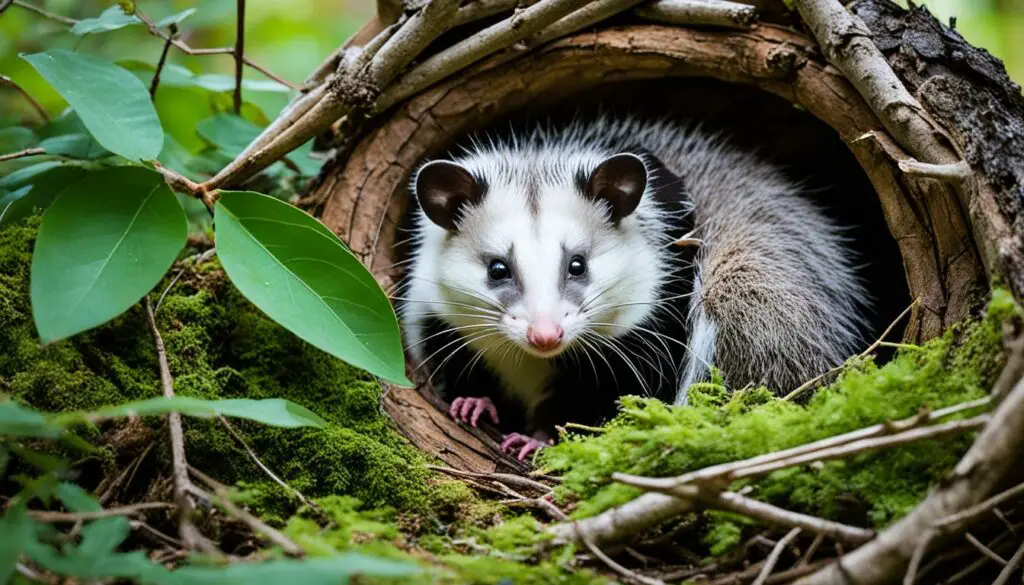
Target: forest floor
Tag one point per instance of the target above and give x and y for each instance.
(357, 486)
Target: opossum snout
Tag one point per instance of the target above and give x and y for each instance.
(545, 335)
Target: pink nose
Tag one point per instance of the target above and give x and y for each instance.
(545, 335)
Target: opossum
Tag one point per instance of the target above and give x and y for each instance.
(546, 279)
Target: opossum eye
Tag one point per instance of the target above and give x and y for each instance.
(577, 266)
(498, 270)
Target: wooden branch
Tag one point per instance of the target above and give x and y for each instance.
(54, 517)
(622, 522)
(4, 80)
(45, 13)
(1011, 566)
(993, 453)
(410, 40)
(183, 184)
(718, 13)
(239, 53)
(773, 558)
(745, 506)
(950, 172)
(190, 535)
(22, 153)
(161, 62)
(493, 38)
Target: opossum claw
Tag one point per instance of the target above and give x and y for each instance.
(470, 409)
(526, 445)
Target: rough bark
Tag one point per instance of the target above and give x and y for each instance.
(967, 91)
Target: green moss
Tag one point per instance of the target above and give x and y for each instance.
(654, 439)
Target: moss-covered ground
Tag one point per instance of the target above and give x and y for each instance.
(376, 490)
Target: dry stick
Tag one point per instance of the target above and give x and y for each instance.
(22, 153)
(492, 39)
(871, 348)
(993, 453)
(239, 54)
(189, 533)
(45, 13)
(984, 549)
(5, 4)
(260, 464)
(254, 523)
(653, 508)
(751, 508)
(4, 80)
(52, 517)
(700, 13)
(183, 184)
(114, 485)
(409, 41)
(506, 478)
(950, 172)
(160, 64)
(961, 519)
(773, 558)
(1011, 566)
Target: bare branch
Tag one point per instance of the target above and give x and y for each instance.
(183, 184)
(480, 9)
(956, 522)
(739, 504)
(984, 550)
(239, 53)
(53, 517)
(773, 558)
(700, 13)
(624, 521)
(1011, 566)
(950, 172)
(4, 80)
(260, 464)
(410, 40)
(163, 61)
(22, 153)
(45, 13)
(493, 38)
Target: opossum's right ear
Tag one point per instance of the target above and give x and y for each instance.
(444, 189)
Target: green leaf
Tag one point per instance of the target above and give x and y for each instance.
(18, 421)
(17, 138)
(76, 499)
(102, 245)
(230, 133)
(175, 18)
(112, 103)
(82, 146)
(220, 82)
(272, 411)
(301, 275)
(112, 18)
(43, 189)
(333, 570)
(22, 177)
(17, 528)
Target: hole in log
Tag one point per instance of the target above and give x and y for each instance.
(767, 88)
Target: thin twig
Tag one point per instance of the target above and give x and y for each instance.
(182, 184)
(984, 549)
(965, 517)
(239, 54)
(254, 523)
(773, 558)
(160, 64)
(261, 465)
(40, 110)
(717, 13)
(45, 13)
(114, 485)
(189, 534)
(871, 348)
(813, 548)
(1011, 566)
(22, 153)
(52, 517)
(506, 478)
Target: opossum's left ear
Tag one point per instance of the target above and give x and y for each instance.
(444, 190)
(620, 181)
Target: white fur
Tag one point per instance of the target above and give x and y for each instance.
(778, 298)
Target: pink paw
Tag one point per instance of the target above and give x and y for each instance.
(470, 409)
(524, 444)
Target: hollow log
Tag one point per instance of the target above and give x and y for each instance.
(948, 261)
